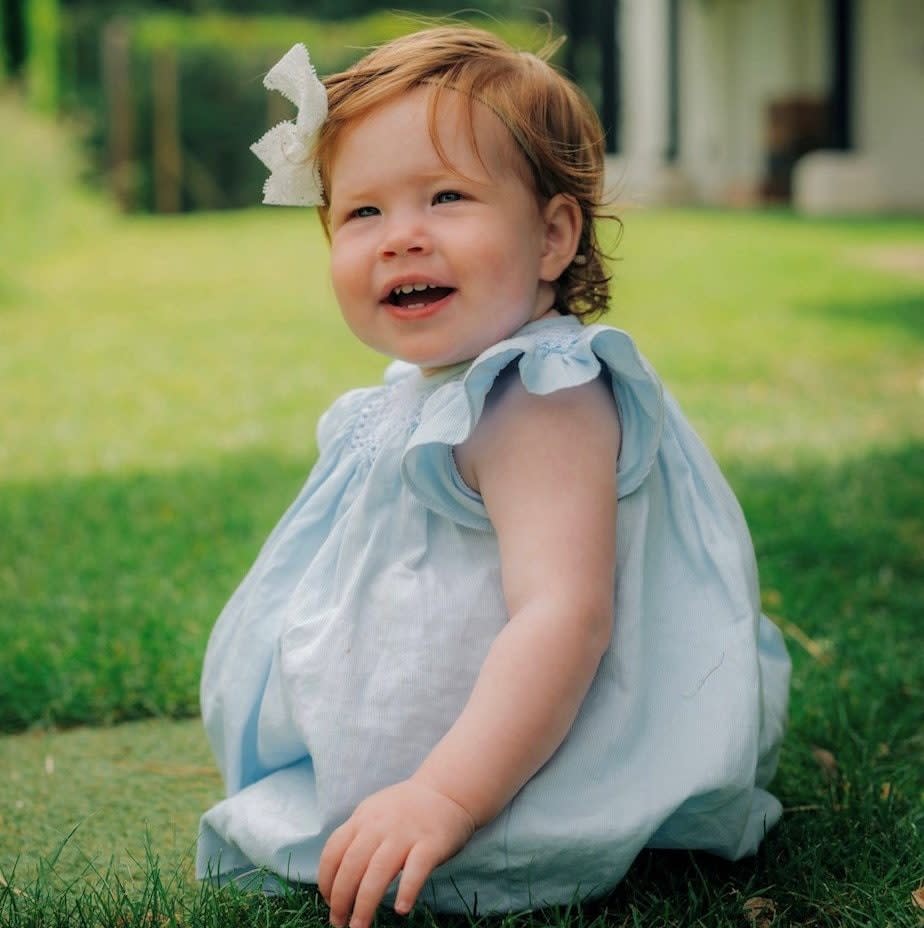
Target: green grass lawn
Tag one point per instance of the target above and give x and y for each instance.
(161, 380)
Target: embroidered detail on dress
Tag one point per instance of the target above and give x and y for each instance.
(556, 343)
(393, 412)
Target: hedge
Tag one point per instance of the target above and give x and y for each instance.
(202, 133)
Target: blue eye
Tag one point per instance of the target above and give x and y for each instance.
(362, 212)
(448, 196)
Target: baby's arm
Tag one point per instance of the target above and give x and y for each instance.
(545, 468)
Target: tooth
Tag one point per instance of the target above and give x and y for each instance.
(421, 286)
(407, 288)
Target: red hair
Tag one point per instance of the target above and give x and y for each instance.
(553, 123)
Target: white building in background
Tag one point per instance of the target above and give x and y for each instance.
(718, 101)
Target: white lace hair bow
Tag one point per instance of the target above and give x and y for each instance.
(286, 149)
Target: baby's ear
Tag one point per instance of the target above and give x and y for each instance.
(563, 224)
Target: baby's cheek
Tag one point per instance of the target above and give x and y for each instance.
(346, 274)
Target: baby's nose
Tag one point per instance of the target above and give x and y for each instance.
(405, 238)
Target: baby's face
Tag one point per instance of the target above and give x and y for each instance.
(429, 264)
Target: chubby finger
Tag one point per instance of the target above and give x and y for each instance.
(331, 855)
(353, 866)
(418, 866)
(384, 865)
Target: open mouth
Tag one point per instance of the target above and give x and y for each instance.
(417, 296)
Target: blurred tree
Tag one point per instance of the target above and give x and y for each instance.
(14, 15)
(4, 68)
(12, 36)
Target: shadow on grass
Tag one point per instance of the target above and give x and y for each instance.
(904, 314)
(841, 555)
(109, 585)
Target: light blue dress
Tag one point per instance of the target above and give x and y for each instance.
(355, 639)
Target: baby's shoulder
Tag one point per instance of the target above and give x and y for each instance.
(555, 368)
(572, 422)
(510, 407)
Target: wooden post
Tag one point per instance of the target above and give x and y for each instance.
(168, 156)
(116, 55)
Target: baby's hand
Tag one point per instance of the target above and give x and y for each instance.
(407, 827)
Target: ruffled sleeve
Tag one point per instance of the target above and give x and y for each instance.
(550, 355)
